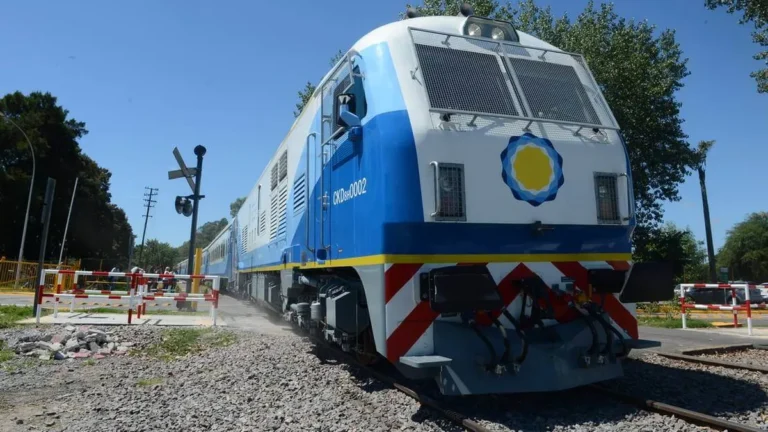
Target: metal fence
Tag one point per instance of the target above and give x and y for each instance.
(28, 274)
(473, 76)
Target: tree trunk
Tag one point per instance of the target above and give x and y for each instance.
(707, 227)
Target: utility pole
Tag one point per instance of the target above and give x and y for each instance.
(148, 203)
(46, 217)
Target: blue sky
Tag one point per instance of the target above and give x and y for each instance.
(146, 76)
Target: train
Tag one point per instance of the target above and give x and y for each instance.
(454, 199)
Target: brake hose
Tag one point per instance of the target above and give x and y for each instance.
(520, 333)
(624, 350)
(505, 356)
(488, 344)
(606, 327)
(594, 347)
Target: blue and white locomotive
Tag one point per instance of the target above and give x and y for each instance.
(454, 198)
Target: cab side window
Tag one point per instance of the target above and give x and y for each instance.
(354, 86)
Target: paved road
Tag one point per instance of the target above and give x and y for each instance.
(677, 340)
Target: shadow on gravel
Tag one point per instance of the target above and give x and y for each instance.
(721, 396)
(725, 393)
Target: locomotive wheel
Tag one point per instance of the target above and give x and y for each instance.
(366, 351)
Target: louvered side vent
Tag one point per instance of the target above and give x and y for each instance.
(244, 240)
(299, 194)
(283, 210)
(273, 216)
(283, 165)
(274, 177)
(263, 221)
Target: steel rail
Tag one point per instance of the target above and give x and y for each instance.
(713, 362)
(687, 415)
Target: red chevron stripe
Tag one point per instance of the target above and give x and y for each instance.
(613, 306)
(409, 331)
(619, 265)
(508, 291)
(396, 277)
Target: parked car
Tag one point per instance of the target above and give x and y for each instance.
(723, 295)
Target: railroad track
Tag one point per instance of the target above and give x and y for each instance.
(462, 420)
(714, 362)
(689, 416)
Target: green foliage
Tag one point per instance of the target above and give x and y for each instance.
(235, 206)
(304, 95)
(745, 251)
(756, 12)
(100, 228)
(680, 247)
(486, 8)
(149, 382)
(156, 254)
(9, 315)
(177, 343)
(672, 323)
(336, 57)
(205, 235)
(5, 353)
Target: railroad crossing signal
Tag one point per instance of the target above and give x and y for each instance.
(185, 204)
(184, 171)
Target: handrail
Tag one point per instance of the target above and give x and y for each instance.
(437, 187)
(630, 213)
(306, 188)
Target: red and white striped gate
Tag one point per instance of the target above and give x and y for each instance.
(734, 307)
(137, 294)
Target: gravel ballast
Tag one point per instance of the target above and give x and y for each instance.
(736, 395)
(261, 382)
(279, 382)
(751, 357)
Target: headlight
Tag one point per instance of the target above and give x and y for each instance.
(474, 30)
(490, 28)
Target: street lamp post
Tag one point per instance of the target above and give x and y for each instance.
(29, 200)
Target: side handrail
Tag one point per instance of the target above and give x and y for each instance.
(306, 188)
(437, 187)
(630, 213)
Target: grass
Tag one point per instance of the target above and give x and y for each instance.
(178, 343)
(149, 382)
(672, 322)
(10, 314)
(5, 353)
(89, 362)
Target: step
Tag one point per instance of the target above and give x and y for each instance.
(423, 362)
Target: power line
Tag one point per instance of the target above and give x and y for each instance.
(148, 203)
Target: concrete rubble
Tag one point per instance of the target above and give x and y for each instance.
(69, 342)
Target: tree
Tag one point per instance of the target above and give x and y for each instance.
(205, 235)
(745, 251)
(486, 8)
(755, 11)
(304, 96)
(235, 206)
(98, 229)
(679, 247)
(157, 254)
(701, 164)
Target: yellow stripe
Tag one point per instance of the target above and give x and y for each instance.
(431, 259)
